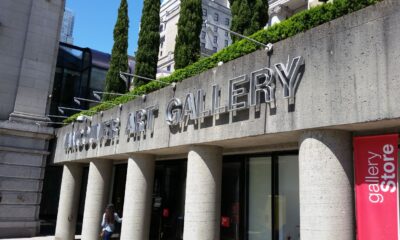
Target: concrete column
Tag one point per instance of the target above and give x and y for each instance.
(69, 202)
(203, 193)
(97, 192)
(326, 185)
(138, 191)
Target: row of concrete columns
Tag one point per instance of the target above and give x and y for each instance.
(326, 195)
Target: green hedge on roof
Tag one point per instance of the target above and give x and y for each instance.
(298, 23)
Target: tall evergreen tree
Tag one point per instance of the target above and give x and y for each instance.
(149, 41)
(259, 16)
(119, 54)
(248, 16)
(241, 17)
(187, 44)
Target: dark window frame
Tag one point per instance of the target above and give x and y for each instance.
(244, 160)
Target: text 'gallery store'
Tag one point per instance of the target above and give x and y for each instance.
(299, 142)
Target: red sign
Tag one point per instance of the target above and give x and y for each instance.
(165, 212)
(376, 187)
(225, 222)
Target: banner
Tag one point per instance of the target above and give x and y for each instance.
(376, 187)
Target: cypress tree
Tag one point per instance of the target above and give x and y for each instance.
(241, 16)
(248, 16)
(187, 44)
(119, 54)
(149, 41)
(259, 16)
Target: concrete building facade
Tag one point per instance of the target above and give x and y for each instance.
(29, 34)
(211, 39)
(67, 27)
(264, 141)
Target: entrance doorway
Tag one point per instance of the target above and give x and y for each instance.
(168, 200)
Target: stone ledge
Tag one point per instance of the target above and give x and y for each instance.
(26, 130)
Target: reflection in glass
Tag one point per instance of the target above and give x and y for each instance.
(259, 199)
(230, 198)
(287, 201)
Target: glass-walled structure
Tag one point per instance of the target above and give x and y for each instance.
(79, 71)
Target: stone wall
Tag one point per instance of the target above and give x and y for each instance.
(29, 33)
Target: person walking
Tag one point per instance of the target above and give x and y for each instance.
(108, 222)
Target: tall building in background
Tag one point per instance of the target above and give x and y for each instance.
(280, 10)
(212, 39)
(67, 27)
(29, 36)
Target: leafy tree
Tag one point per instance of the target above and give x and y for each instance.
(187, 44)
(119, 54)
(248, 16)
(149, 41)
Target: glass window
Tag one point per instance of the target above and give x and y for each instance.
(215, 39)
(203, 35)
(216, 17)
(226, 43)
(230, 200)
(260, 199)
(161, 27)
(203, 45)
(288, 217)
(215, 29)
(204, 12)
(226, 33)
(169, 68)
(162, 40)
(227, 21)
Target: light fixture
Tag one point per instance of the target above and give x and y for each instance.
(173, 85)
(45, 123)
(141, 77)
(78, 99)
(82, 118)
(96, 94)
(61, 109)
(56, 116)
(267, 47)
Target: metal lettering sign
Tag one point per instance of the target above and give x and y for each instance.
(244, 91)
(249, 90)
(138, 122)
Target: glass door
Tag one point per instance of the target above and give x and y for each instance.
(260, 197)
(168, 201)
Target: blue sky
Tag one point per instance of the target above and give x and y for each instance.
(95, 20)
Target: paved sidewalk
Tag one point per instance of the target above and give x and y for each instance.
(33, 238)
(38, 238)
